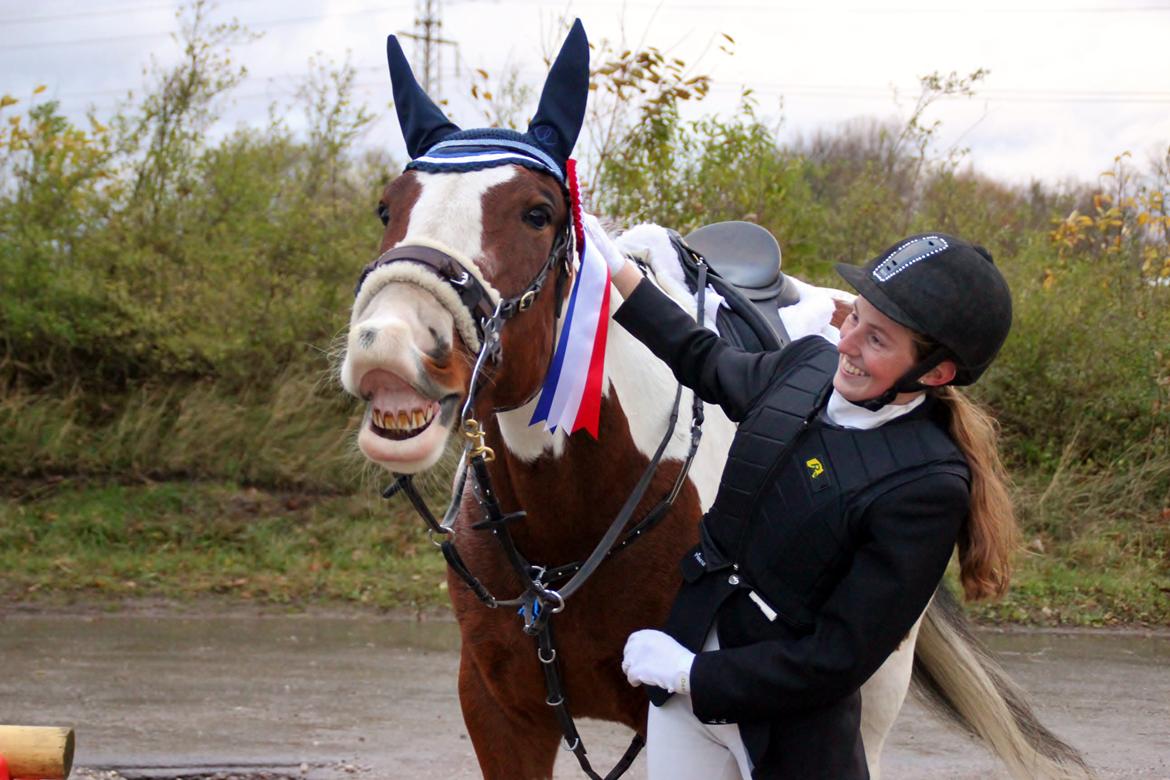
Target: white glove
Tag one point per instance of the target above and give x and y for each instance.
(595, 235)
(654, 658)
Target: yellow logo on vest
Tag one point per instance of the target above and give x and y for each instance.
(815, 469)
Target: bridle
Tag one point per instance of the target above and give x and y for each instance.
(474, 297)
(539, 601)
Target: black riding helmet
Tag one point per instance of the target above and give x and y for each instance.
(946, 289)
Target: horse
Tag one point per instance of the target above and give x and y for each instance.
(485, 231)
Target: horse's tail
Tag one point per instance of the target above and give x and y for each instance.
(958, 679)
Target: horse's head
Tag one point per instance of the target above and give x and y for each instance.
(478, 224)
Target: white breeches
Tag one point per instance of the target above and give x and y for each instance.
(681, 747)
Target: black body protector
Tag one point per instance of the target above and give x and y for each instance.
(788, 511)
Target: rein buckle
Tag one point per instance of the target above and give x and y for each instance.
(474, 433)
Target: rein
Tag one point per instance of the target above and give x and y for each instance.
(539, 600)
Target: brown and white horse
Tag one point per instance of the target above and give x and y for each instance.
(409, 356)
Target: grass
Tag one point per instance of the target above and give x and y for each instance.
(203, 490)
(294, 431)
(185, 541)
(1096, 546)
(1053, 592)
(189, 540)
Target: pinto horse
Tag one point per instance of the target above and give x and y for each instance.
(410, 353)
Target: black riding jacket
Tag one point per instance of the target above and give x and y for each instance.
(823, 546)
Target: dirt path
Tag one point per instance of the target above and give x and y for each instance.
(323, 697)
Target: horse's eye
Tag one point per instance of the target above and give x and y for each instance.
(538, 217)
(384, 213)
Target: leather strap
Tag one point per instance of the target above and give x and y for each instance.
(471, 293)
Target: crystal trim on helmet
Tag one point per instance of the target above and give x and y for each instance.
(907, 255)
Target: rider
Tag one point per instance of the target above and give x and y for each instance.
(854, 472)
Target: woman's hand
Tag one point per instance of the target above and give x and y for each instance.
(622, 272)
(654, 658)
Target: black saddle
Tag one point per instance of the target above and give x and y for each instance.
(743, 262)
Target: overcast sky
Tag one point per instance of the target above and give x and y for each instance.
(1072, 82)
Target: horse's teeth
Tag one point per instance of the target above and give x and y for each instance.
(403, 420)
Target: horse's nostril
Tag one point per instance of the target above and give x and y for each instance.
(366, 337)
(442, 345)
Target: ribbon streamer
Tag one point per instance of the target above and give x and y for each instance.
(571, 396)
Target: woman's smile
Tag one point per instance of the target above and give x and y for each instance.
(850, 369)
(874, 353)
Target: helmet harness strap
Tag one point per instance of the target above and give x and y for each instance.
(908, 382)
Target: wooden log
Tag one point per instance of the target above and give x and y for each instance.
(42, 752)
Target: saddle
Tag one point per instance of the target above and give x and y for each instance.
(743, 262)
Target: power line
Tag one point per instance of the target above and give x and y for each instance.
(427, 25)
(100, 12)
(755, 8)
(860, 92)
(1137, 9)
(82, 41)
(385, 7)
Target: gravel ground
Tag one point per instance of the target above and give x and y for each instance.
(248, 696)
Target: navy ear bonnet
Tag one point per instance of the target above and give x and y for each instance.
(435, 144)
(472, 150)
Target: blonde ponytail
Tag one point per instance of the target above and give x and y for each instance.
(990, 535)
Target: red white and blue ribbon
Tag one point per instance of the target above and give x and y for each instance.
(571, 396)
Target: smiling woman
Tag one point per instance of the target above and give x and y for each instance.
(854, 477)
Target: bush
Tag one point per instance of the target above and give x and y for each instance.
(137, 251)
(146, 272)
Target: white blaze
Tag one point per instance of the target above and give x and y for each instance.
(449, 210)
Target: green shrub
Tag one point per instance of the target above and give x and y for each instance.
(138, 251)
(147, 273)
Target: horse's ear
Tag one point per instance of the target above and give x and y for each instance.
(561, 111)
(423, 123)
